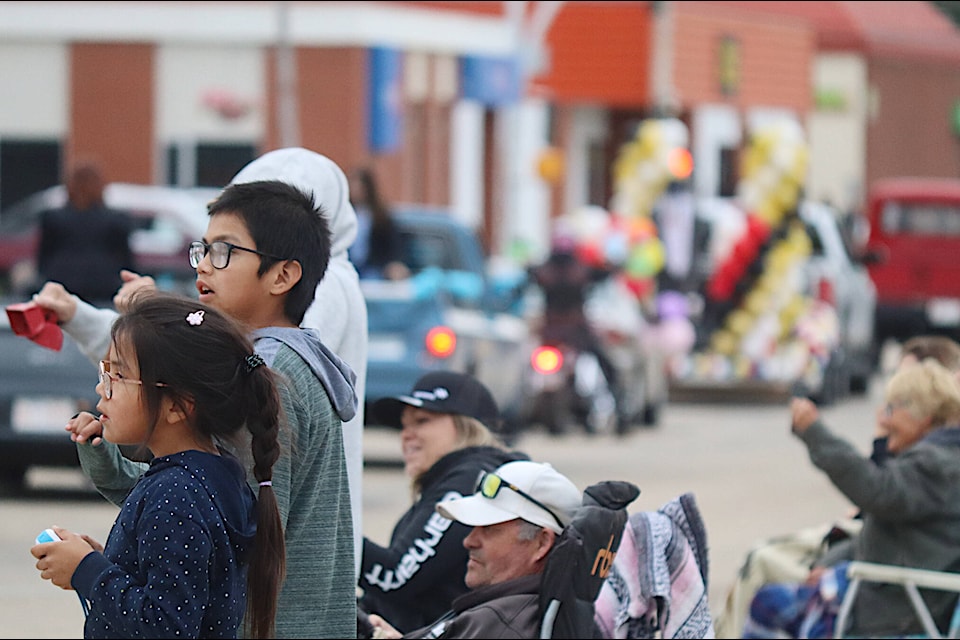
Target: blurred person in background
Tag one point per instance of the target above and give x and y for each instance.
(377, 252)
(566, 281)
(910, 506)
(789, 557)
(84, 244)
(446, 426)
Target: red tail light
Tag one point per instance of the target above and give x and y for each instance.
(441, 342)
(546, 360)
(826, 293)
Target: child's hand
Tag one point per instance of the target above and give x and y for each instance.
(132, 283)
(85, 428)
(803, 413)
(56, 298)
(57, 560)
(93, 543)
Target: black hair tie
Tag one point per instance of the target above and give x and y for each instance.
(253, 361)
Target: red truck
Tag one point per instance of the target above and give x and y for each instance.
(914, 256)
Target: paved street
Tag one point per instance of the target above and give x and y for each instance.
(750, 478)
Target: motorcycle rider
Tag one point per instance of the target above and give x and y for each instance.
(565, 281)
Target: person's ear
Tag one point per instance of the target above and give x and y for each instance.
(545, 539)
(286, 275)
(175, 411)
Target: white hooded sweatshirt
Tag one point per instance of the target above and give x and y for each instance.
(339, 312)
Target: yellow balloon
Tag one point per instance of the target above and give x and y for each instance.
(758, 300)
(650, 136)
(769, 211)
(739, 321)
(630, 155)
(723, 342)
(752, 163)
(742, 367)
(785, 195)
(778, 260)
(653, 249)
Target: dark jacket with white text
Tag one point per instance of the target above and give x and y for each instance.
(413, 581)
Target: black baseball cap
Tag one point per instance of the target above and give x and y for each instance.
(442, 392)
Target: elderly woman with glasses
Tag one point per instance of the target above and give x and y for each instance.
(910, 505)
(447, 426)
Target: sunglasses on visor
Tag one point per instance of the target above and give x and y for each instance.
(490, 485)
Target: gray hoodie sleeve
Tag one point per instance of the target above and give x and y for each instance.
(90, 329)
(111, 473)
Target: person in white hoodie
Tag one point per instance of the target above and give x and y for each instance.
(338, 313)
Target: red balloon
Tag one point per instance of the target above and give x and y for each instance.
(639, 287)
(758, 229)
(721, 285)
(591, 254)
(745, 251)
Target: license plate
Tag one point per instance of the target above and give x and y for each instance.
(387, 348)
(42, 414)
(944, 312)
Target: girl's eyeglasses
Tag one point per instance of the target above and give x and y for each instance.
(107, 379)
(219, 253)
(490, 485)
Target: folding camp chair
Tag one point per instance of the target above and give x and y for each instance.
(911, 580)
(581, 559)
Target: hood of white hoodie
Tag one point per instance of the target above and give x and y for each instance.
(313, 173)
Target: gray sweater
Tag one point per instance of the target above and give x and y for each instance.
(911, 518)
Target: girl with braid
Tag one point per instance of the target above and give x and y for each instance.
(194, 551)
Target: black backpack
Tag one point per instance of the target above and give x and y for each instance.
(581, 559)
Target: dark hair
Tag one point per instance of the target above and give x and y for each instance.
(205, 368)
(283, 221)
(943, 349)
(85, 184)
(379, 211)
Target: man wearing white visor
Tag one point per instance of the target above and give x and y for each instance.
(517, 513)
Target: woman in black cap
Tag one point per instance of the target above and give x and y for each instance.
(447, 426)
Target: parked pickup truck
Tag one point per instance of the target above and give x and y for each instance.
(451, 313)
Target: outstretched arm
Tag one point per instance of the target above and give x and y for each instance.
(87, 325)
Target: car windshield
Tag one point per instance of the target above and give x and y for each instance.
(423, 249)
(921, 219)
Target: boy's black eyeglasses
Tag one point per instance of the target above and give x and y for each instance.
(490, 485)
(219, 253)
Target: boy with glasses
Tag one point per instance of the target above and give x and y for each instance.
(265, 249)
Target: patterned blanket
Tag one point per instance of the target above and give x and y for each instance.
(657, 586)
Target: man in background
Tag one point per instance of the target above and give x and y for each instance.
(84, 244)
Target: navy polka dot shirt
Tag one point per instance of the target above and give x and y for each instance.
(175, 562)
